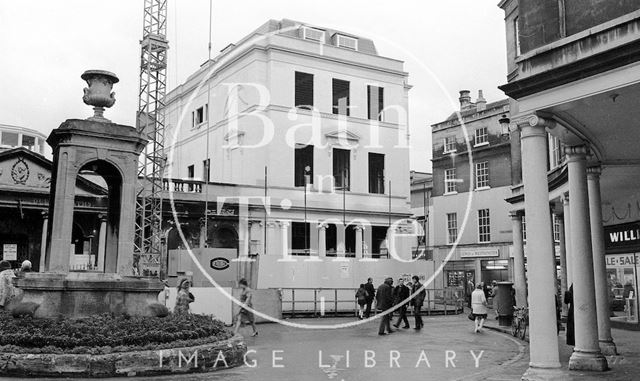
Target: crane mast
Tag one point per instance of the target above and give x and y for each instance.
(150, 122)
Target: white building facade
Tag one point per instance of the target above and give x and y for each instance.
(292, 104)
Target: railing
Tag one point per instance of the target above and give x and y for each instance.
(180, 185)
(320, 302)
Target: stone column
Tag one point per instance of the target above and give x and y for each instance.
(272, 238)
(544, 356)
(564, 286)
(43, 241)
(322, 240)
(519, 276)
(586, 353)
(607, 346)
(285, 255)
(566, 215)
(359, 230)
(102, 241)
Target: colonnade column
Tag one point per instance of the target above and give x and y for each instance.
(607, 346)
(359, 230)
(322, 240)
(272, 238)
(284, 242)
(43, 241)
(566, 216)
(102, 241)
(586, 353)
(544, 357)
(519, 276)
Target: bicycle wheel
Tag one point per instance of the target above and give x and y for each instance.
(522, 331)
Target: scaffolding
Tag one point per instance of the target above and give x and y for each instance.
(150, 122)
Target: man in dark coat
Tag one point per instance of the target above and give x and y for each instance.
(417, 301)
(384, 300)
(400, 295)
(371, 291)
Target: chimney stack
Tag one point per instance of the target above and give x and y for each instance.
(465, 99)
(481, 103)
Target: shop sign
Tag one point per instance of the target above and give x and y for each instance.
(10, 252)
(476, 253)
(219, 263)
(622, 236)
(621, 260)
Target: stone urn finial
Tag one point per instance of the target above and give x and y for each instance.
(99, 94)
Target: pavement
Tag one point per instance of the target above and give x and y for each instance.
(445, 349)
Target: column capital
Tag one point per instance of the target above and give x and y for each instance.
(594, 172)
(323, 225)
(359, 228)
(516, 214)
(272, 224)
(576, 152)
(565, 198)
(533, 120)
(45, 215)
(284, 224)
(255, 222)
(102, 217)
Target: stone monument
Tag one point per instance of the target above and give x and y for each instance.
(110, 150)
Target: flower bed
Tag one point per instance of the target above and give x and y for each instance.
(107, 333)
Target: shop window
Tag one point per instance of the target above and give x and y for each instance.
(622, 279)
(495, 270)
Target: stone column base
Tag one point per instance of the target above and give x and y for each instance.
(542, 374)
(593, 361)
(608, 347)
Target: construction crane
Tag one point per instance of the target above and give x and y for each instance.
(150, 122)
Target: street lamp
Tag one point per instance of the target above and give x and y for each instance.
(504, 125)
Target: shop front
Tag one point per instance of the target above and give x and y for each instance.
(622, 244)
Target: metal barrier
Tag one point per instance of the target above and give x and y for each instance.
(320, 302)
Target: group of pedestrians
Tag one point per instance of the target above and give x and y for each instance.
(388, 299)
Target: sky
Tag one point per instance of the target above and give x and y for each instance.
(45, 46)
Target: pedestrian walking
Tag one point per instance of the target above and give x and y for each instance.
(401, 295)
(568, 299)
(245, 316)
(184, 297)
(479, 307)
(361, 299)
(417, 301)
(6, 284)
(384, 300)
(372, 294)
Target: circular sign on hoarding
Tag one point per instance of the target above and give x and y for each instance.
(219, 263)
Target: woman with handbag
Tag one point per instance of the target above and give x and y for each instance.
(479, 307)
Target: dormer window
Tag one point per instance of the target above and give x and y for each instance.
(313, 34)
(347, 42)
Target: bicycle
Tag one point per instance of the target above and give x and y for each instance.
(520, 322)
